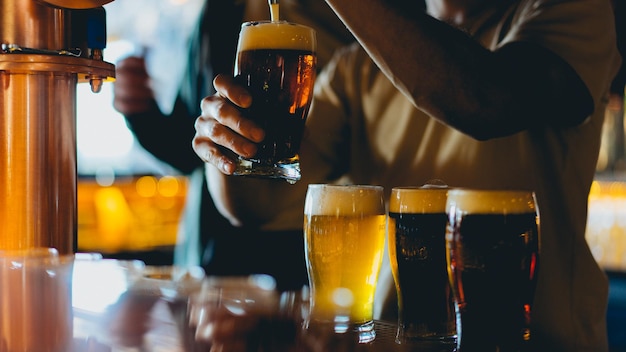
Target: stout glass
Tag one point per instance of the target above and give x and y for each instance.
(276, 61)
(344, 229)
(417, 252)
(492, 241)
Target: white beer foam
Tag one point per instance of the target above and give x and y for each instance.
(418, 200)
(490, 201)
(335, 200)
(276, 35)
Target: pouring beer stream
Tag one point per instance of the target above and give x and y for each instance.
(274, 10)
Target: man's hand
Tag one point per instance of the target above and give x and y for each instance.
(132, 93)
(222, 132)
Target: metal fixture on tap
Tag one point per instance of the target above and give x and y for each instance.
(47, 47)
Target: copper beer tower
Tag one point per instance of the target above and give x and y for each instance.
(48, 47)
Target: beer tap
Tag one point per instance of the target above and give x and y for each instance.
(47, 48)
(96, 42)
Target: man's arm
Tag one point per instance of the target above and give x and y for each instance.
(165, 137)
(445, 72)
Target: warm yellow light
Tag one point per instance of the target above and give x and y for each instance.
(168, 186)
(115, 217)
(146, 186)
(606, 224)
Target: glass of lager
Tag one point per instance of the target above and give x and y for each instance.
(492, 241)
(276, 61)
(427, 312)
(344, 229)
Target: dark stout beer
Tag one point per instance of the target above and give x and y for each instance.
(417, 250)
(281, 83)
(277, 62)
(493, 244)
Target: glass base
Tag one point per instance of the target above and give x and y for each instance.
(434, 341)
(342, 330)
(432, 345)
(287, 171)
(365, 332)
(416, 336)
(407, 337)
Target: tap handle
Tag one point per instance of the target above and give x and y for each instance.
(96, 31)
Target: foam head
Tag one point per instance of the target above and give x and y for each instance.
(418, 200)
(491, 201)
(335, 200)
(276, 35)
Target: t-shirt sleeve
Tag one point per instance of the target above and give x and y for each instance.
(581, 32)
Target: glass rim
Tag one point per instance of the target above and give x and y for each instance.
(267, 34)
(462, 190)
(253, 23)
(473, 200)
(279, 22)
(345, 186)
(418, 200)
(35, 252)
(333, 199)
(37, 256)
(503, 191)
(420, 189)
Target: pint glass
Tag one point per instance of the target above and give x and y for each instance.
(36, 300)
(344, 229)
(276, 61)
(417, 252)
(492, 241)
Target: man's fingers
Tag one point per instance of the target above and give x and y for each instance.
(226, 87)
(211, 153)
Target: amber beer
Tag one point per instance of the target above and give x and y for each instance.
(277, 62)
(417, 252)
(344, 228)
(493, 250)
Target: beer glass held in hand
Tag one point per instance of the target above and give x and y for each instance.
(417, 251)
(344, 229)
(492, 241)
(276, 61)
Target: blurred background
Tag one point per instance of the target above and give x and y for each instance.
(129, 203)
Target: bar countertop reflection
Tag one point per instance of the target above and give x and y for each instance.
(127, 306)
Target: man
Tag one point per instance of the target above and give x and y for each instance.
(485, 94)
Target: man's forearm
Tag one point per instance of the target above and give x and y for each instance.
(251, 202)
(166, 137)
(449, 74)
